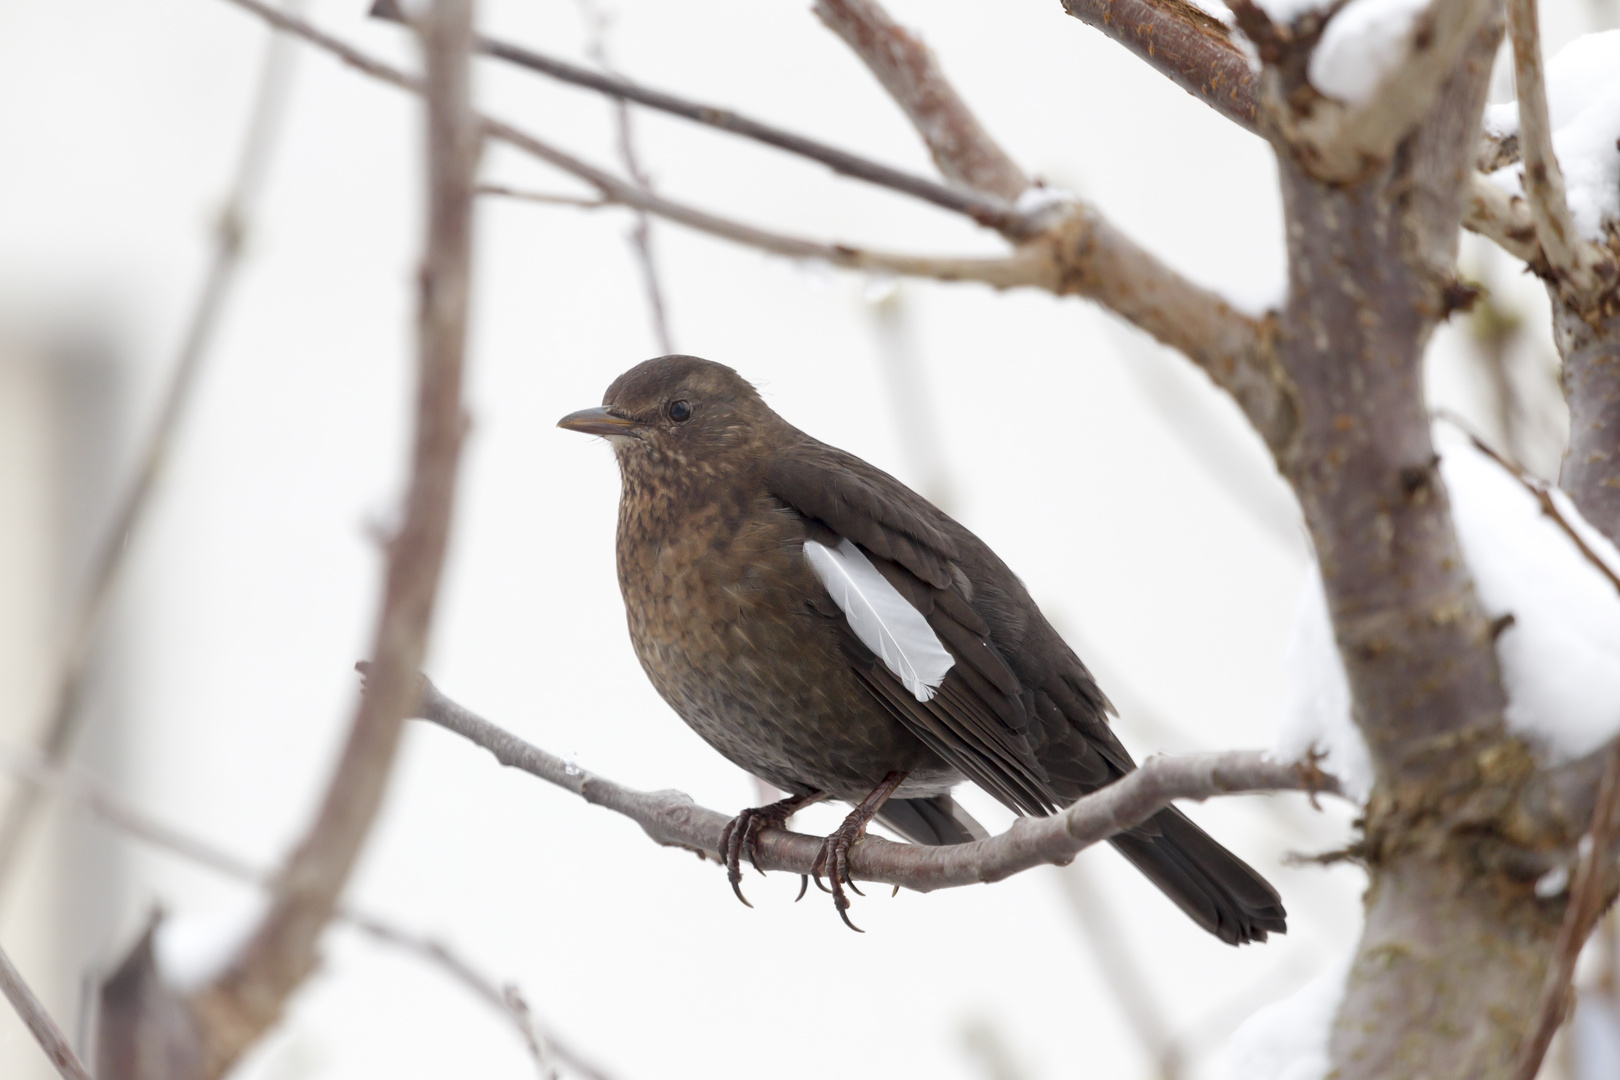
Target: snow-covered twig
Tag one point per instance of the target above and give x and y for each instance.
(44, 1029)
(961, 147)
(1570, 258)
(55, 738)
(673, 819)
(1586, 903)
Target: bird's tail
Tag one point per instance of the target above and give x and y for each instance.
(1218, 890)
(933, 821)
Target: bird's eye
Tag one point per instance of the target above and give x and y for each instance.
(680, 411)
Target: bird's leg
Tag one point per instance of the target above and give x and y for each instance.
(741, 835)
(834, 858)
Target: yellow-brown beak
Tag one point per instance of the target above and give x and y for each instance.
(598, 421)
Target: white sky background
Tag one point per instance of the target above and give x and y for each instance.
(253, 590)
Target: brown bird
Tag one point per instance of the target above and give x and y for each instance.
(835, 634)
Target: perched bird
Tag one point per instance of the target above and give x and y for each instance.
(836, 635)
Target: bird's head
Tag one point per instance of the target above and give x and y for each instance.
(676, 411)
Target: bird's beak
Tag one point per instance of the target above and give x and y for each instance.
(597, 421)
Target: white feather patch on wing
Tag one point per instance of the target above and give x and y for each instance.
(884, 620)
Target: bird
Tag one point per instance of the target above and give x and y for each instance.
(836, 635)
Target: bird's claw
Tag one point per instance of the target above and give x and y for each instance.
(833, 861)
(740, 837)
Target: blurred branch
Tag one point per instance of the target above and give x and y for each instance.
(962, 149)
(1582, 269)
(205, 1033)
(579, 202)
(1588, 896)
(111, 553)
(1189, 46)
(596, 22)
(76, 787)
(1120, 970)
(50, 1037)
(993, 212)
(672, 819)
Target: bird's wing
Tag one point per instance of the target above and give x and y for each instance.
(977, 716)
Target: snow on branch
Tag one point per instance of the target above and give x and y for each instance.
(1341, 141)
(673, 819)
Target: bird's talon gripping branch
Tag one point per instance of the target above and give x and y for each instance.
(741, 836)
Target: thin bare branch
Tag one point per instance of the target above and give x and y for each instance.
(1077, 253)
(1588, 897)
(80, 789)
(1540, 489)
(51, 1039)
(996, 213)
(281, 951)
(1344, 143)
(1193, 49)
(962, 149)
(578, 202)
(1574, 262)
(672, 819)
(641, 232)
(56, 735)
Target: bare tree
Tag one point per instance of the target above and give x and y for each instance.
(1462, 970)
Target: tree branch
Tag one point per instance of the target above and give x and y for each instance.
(989, 210)
(962, 149)
(238, 1005)
(77, 788)
(672, 819)
(1576, 265)
(1194, 50)
(1588, 896)
(39, 1022)
(56, 736)
(1344, 143)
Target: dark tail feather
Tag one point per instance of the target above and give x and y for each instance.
(934, 822)
(1221, 892)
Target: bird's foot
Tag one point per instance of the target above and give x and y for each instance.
(833, 860)
(741, 835)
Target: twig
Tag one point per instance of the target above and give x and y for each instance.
(1120, 970)
(962, 149)
(1539, 488)
(61, 722)
(672, 819)
(596, 22)
(1572, 260)
(578, 202)
(1586, 902)
(248, 995)
(1079, 253)
(50, 1037)
(993, 212)
(1193, 49)
(76, 787)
